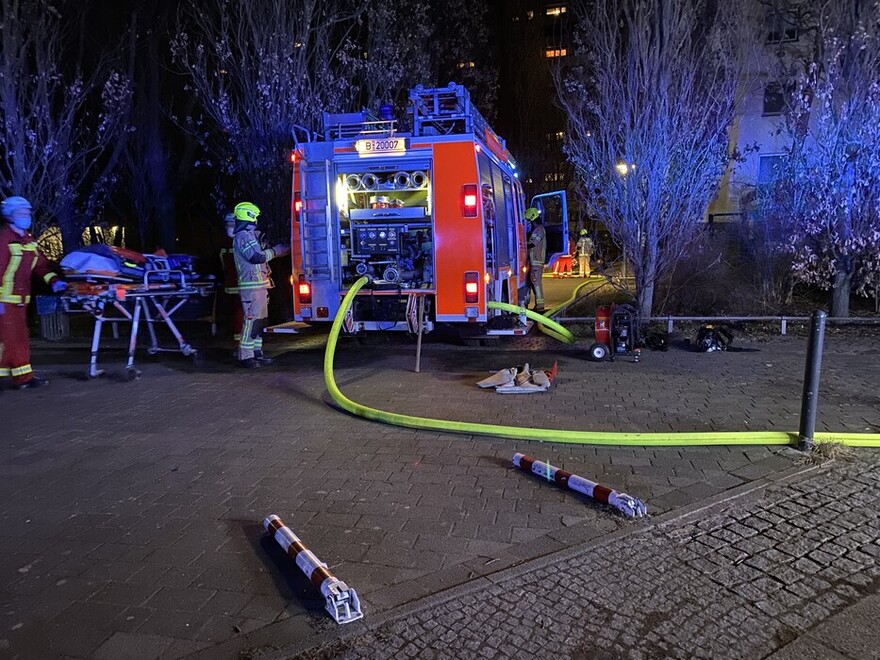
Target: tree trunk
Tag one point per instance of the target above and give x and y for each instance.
(840, 292)
(645, 299)
(71, 232)
(156, 161)
(646, 280)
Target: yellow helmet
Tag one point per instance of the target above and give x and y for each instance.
(246, 212)
(532, 213)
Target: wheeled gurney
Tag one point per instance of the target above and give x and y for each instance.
(156, 298)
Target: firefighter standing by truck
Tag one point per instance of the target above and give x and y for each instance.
(20, 259)
(537, 243)
(252, 264)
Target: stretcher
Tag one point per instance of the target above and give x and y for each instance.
(152, 301)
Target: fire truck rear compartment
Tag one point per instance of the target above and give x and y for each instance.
(385, 228)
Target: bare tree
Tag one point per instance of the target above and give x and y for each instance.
(650, 95)
(147, 162)
(260, 68)
(459, 50)
(61, 129)
(386, 55)
(830, 183)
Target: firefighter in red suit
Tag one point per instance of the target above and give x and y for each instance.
(20, 260)
(230, 282)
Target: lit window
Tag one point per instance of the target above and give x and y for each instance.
(556, 11)
(530, 14)
(556, 52)
(557, 136)
(554, 177)
(466, 65)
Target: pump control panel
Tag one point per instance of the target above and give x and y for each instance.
(375, 239)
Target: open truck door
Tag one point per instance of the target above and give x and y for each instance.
(554, 213)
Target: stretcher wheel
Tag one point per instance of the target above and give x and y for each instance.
(598, 352)
(188, 350)
(132, 374)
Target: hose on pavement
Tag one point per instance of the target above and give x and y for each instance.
(560, 435)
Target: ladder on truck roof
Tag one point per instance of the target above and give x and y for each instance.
(317, 253)
(446, 110)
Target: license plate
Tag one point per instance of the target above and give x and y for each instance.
(381, 147)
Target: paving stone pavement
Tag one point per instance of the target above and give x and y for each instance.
(130, 524)
(744, 580)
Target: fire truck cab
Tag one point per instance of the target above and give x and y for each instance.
(433, 216)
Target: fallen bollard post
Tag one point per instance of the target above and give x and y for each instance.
(626, 504)
(342, 601)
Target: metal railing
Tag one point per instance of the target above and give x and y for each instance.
(782, 320)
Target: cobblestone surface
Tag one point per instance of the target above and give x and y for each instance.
(131, 511)
(740, 583)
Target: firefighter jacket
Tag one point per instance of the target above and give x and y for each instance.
(585, 246)
(20, 259)
(251, 260)
(538, 245)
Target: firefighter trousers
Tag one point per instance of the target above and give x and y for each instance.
(583, 265)
(255, 305)
(15, 349)
(536, 280)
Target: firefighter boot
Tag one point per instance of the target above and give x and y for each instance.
(262, 358)
(249, 363)
(32, 383)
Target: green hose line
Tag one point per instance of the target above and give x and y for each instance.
(561, 334)
(559, 435)
(558, 331)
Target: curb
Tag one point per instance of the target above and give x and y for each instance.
(302, 632)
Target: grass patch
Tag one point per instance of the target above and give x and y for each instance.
(828, 451)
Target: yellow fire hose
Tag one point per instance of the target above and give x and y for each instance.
(560, 435)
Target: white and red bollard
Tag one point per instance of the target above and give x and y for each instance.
(626, 504)
(342, 601)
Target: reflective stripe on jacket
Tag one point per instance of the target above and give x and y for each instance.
(20, 259)
(538, 251)
(251, 260)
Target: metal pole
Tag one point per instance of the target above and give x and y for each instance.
(419, 339)
(810, 399)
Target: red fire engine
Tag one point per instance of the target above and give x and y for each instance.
(431, 216)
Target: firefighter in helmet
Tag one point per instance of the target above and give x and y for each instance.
(585, 251)
(20, 258)
(252, 265)
(537, 243)
(230, 281)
